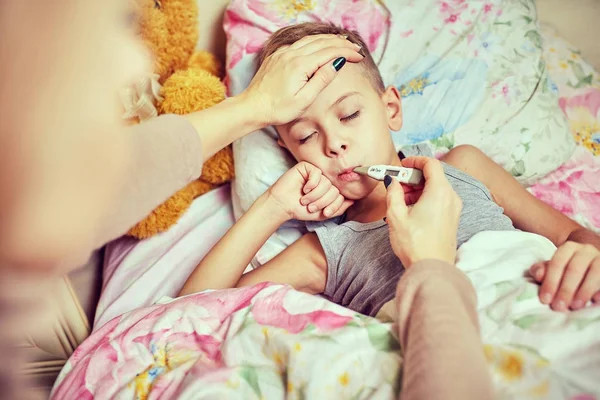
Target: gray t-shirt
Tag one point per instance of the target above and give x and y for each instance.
(362, 269)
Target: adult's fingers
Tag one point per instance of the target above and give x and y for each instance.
(312, 38)
(322, 44)
(322, 68)
(396, 207)
(432, 168)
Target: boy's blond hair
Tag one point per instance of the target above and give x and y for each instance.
(291, 34)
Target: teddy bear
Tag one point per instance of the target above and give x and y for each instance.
(183, 81)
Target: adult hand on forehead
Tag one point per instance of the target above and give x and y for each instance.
(428, 229)
(289, 80)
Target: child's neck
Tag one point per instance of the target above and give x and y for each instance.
(372, 207)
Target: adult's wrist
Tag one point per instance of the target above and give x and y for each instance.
(251, 110)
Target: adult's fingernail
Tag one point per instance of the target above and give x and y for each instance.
(560, 305)
(538, 273)
(338, 63)
(577, 304)
(312, 208)
(546, 298)
(387, 180)
(357, 46)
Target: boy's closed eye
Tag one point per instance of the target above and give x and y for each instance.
(351, 116)
(347, 118)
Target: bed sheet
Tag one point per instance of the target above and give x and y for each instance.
(574, 188)
(271, 342)
(138, 273)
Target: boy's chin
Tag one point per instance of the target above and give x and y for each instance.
(356, 190)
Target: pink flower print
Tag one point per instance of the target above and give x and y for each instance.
(451, 19)
(451, 10)
(503, 90)
(270, 311)
(243, 38)
(574, 188)
(406, 34)
(583, 112)
(584, 396)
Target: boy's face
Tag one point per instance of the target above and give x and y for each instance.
(347, 126)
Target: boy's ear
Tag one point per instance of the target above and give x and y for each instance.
(393, 103)
(280, 143)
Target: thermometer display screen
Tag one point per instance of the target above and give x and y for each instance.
(392, 172)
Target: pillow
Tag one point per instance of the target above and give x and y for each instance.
(469, 73)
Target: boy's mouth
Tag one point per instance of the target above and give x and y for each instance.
(348, 175)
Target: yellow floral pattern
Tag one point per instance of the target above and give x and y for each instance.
(290, 9)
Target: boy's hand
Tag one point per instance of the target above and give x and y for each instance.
(571, 278)
(303, 193)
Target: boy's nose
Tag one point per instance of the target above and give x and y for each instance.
(337, 149)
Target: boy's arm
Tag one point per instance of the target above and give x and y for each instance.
(226, 261)
(302, 265)
(302, 193)
(526, 211)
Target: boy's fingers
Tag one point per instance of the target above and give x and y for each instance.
(332, 208)
(323, 187)
(572, 278)
(314, 177)
(589, 288)
(346, 204)
(554, 273)
(323, 201)
(338, 207)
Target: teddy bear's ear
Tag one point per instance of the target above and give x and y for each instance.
(157, 4)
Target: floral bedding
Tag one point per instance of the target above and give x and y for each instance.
(272, 342)
(574, 188)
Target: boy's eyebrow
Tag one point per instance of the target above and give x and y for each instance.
(343, 97)
(338, 101)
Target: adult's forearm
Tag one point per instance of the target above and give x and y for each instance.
(166, 154)
(222, 124)
(438, 331)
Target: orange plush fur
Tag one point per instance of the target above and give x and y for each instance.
(190, 82)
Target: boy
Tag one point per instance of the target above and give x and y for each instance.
(347, 254)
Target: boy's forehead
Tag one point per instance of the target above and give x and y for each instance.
(351, 78)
